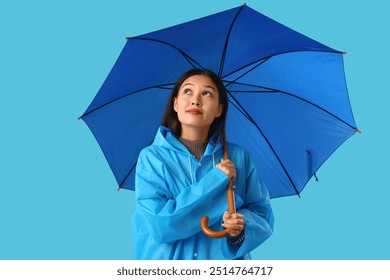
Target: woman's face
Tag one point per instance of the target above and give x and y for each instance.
(197, 103)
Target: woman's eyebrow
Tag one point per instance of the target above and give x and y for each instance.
(208, 86)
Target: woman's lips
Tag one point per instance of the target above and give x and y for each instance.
(194, 111)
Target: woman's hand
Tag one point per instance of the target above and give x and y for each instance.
(228, 168)
(234, 223)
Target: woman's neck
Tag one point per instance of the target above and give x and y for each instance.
(197, 148)
(195, 133)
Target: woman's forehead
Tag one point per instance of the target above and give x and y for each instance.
(199, 80)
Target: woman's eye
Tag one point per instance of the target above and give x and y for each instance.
(207, 93)
(187, 91)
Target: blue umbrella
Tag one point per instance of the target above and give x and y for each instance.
(289, 104)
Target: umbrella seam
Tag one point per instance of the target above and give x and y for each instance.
(277, 54)
(126, 95)
(131, 170)
(260, 62)
(186, 56)
(247, 115)
(295, 96)
(221, 65)
(94, 135)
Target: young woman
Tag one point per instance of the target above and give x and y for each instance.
(182, 176)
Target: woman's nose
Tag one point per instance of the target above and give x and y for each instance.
(196, 100)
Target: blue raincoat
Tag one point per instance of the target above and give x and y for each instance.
(174, 190)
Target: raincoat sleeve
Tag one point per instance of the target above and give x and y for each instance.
(257, 211)
(168, 218)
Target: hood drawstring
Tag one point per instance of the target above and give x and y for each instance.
(190, 165)
(189, 162)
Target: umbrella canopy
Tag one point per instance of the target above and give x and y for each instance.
(289, 104)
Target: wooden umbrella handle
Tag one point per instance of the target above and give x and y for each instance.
(231, 204)
(204, 222)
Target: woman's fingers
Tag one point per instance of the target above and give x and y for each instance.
(228, 168)
(234, 223)
(226, 215)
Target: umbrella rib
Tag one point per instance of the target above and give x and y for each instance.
(260, 62)
(247, 115)
(189, 59)
(163, 86)
(277, 54)
(253, 91)
(131, 170)
(221, 65)
(268, 89)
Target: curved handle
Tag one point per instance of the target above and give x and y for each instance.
(231, 204)
(232, 209)
(209, 232)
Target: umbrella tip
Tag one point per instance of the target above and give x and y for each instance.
(343, 52)
(358, 131)
(119, 188)
(128, 38)
(79, 118)
(244, 4)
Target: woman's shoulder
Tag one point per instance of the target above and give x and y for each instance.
(150, 151)
(235, 148)
(238, 154)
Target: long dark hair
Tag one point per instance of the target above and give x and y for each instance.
(170, 118)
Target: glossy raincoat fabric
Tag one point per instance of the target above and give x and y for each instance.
(174, 190)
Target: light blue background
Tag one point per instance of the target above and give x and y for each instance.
(58, 198)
